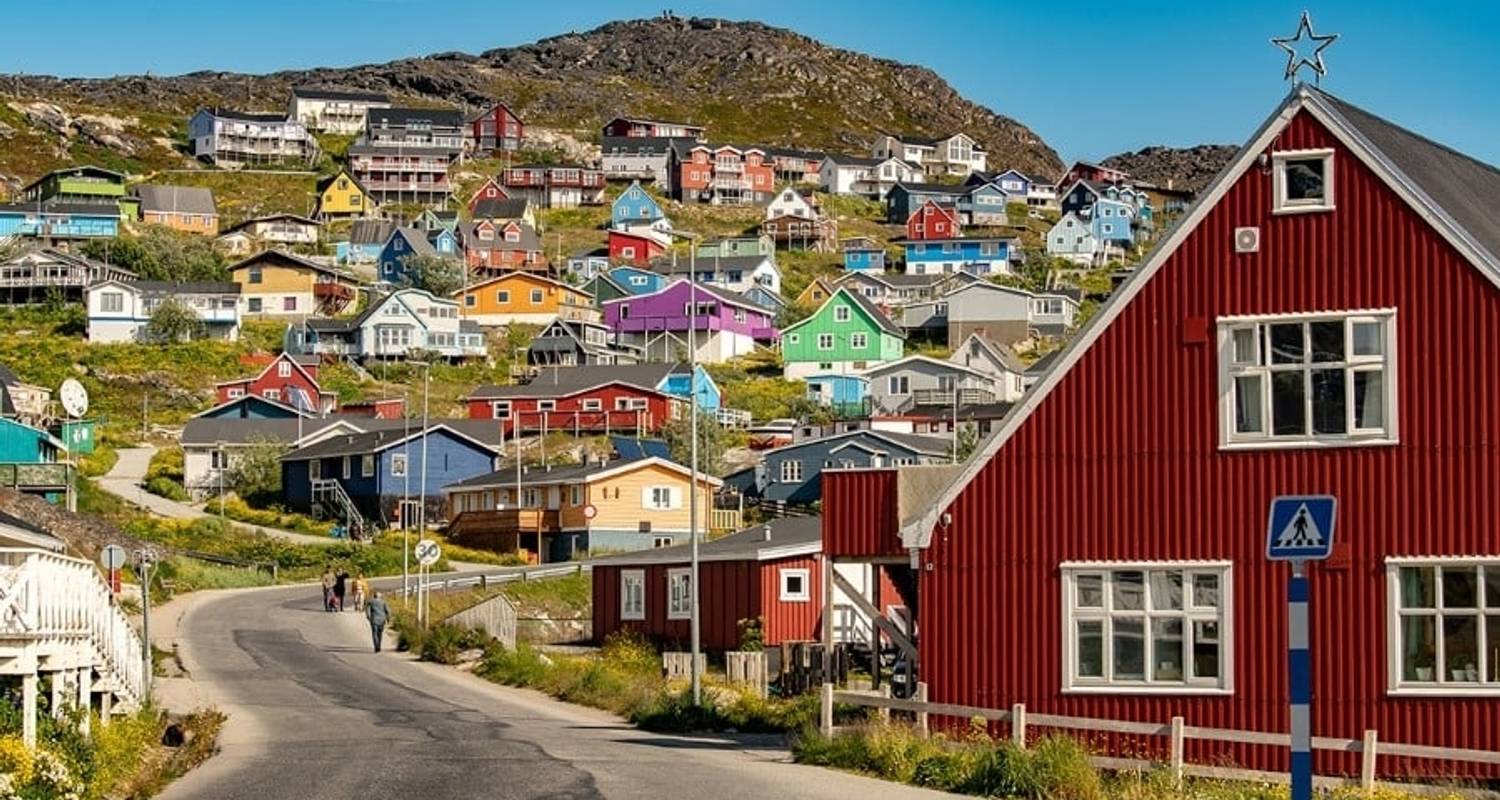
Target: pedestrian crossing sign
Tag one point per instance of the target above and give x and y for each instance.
(1301, 528)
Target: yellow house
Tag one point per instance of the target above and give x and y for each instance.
(617, 505)
(343, 196)
(524, 297)
(815, 294)
(277, 283)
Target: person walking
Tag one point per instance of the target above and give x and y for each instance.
(328, 588)
(361, 591)
(378, 613)
(340, 587)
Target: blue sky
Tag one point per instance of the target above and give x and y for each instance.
(1092, 78)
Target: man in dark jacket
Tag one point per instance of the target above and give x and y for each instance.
(378, 613)
(340, 586)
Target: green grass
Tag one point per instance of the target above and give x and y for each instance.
(281, 519)
(191, 575)
(565, 597)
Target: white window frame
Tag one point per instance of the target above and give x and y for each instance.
(828, 337)
(1280, 204)
(841, 314)
(1441, 685)
(858, 341)
(633, 579)
(786, 595)
(398, 465)
(1386, 362)
(791, 471)
(591, 404)
(367, 465)
(680, 607)
(1072, 683)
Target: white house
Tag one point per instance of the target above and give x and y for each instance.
(957, 154)
(791, 203)
(334, 110)
(236, 138)
(735, 273)
(275, 229)
(867, 177)
(119, 311)
(918, 381)
(399, 325)
(1073, 239)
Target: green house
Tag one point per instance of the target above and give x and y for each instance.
(846, 335)
(86, 185)
(23, 444)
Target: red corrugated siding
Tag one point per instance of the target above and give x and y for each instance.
(1121, 462)
(731, 592)
(790, 621)
(859, 513)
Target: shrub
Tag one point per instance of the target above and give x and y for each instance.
(443, 642)
(166, 487)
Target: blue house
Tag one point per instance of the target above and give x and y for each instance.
(843, 394)
(985, 204)
(60, 220)
(407, 242)
(793, 475)
(639, 281)
(635, 206)
(366, 239)
(372, 472)
(1112, 222)
(709, 399)
(981, 257)
(863, 254)
(905, 198)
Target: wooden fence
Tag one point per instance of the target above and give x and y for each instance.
(1177, 732)
(495, 616)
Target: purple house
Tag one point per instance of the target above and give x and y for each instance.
(728, 323)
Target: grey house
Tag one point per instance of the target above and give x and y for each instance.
(920, 381)
(792, 475)
(1000, 313)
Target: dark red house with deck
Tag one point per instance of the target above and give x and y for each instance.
(289, 380)
(1326, 319)
(616, 398)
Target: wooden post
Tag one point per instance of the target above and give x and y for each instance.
(106, 700)
(1018, 725)
(28, 709)
(922, 715)
(55, 693)
(84, 674)
(1369, 750)
(1177, 751)
(825, 716)
(827, 568)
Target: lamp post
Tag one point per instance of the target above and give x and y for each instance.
(695, 625)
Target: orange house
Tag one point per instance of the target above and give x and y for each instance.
(189, 209)
(524, 297)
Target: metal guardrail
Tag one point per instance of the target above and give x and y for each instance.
(484, 580)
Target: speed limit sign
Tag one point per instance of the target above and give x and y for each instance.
(427, 552)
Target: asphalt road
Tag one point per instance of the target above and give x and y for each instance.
(313, 713)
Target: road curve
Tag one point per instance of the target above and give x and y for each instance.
(313, 713)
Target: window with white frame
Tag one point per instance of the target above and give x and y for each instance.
(791, 471)
(575, 494)
(679, 594)
(1308, 379)
(898, 384)
(284, 369)
(398, 465)
(794, 585)
(825, 341)
(500, 409)
(659, 497)
(1147, 627)
(591, 404)
(1302, 180)
(858, 341)
(841, 314)
(1444, 625)
(632, 594)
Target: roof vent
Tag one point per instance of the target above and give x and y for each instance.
(767, 533)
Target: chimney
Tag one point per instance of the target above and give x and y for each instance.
(767, 533)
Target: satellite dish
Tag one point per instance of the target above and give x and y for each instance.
(75, 398)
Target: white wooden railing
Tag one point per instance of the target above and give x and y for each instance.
(1176, 730)
(57, 615)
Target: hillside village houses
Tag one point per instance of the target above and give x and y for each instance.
(725, 324)
(719, 174)
(404, 153)
(189, 209)
(120, 310)
(233, 139)
(31, 276)
(580, 342)
(524, 298)
(795, 220)
(496, 129)
(278, 283)
(598, 399)
(340, 111)
(286, 230)
(846, 335)
(568, 186)
(398, 326)
(865, 177)
(957, 154)
(341, 195)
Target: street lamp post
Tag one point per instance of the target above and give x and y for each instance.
(696, 628)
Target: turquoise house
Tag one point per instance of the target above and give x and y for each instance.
(23, 444)
(709, 397)
(638, 281)
(60, 220)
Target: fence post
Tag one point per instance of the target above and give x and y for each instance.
(1369, 750)
(1177, 755)
(922, 715)
(825, 716)
(484, 581)
(1018, 725)
(885, 712)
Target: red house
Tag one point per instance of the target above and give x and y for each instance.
(720, 174)
(1084, 171)
(613, 398)
(288, 380)
(652, 129)
(496, 129)
(387, 408)
(771, 571)
(490, 190)
(493, 247)
(932, 221)
(1320, 322)
(635, 247)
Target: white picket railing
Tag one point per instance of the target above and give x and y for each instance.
(57, 614)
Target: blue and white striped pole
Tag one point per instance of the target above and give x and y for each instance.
(1299, 670)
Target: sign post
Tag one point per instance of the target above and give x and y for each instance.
(1300, 529)
(427, 553)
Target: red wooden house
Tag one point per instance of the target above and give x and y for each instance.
(385, 408)
(288, 380)
(1085, 171)
(493, 247)
(932, 221)
(720, 174)
(555, 187)
(612, 398)
(772, 572)
(489, 190)
(496, 129)
(636, 247)
(652, 129)
(1102, 555)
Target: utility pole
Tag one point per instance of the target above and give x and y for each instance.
(697, 643)
(422, 481)
(406, 505)
(143, 562)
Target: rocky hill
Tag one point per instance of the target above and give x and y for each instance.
(748, 82)
(1183, 167)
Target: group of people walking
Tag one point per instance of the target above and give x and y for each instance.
(336, 585)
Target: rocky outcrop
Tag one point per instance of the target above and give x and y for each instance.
(1189, 168)
(747, 81)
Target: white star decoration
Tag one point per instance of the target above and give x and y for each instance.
(1295, 61)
